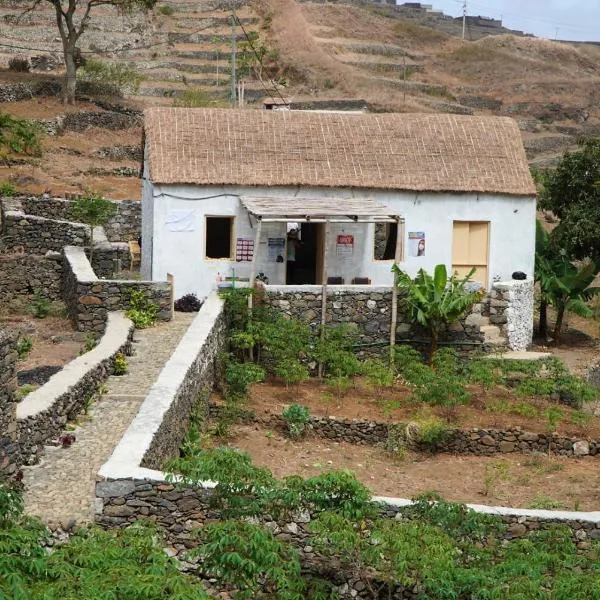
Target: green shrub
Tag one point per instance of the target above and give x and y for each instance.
(555, 417)
(24, 346)
(24, 390)
(296, 417)
(123, 76)
(90, 342)
(433, 432)
(166, 10)
(197, 98)
(120, 366)
(19, 136)
(542, 502)
(250, 559)
(240, 376)
(380, 375)
(143, 312)
(291, 371)
(40, 306)
(7, 189)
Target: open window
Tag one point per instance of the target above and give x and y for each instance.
(219, 237)
(385, 241)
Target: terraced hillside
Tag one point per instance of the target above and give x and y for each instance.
(327, 54)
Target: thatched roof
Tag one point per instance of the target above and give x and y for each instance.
(419, 152)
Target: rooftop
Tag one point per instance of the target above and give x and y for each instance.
(418, 152)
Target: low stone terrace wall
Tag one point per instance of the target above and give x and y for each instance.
(38, 235)
(89, 299)
(42, 414)
(21, 275)
(125, 225)
(8, 406)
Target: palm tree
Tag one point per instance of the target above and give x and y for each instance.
(436, 302)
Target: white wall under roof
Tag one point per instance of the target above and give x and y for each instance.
(512, 233)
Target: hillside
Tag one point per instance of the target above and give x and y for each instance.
(393, 60)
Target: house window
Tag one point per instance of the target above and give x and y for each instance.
(219, 231)
(385, 241)
(470, 249)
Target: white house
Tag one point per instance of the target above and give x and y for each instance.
(457, 189)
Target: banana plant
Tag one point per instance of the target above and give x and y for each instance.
(437, 301)
(564, 284)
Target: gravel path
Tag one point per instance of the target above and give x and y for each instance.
(60, 489)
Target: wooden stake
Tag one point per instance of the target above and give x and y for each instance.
(324, 289)
(253, 274)
(397, 259)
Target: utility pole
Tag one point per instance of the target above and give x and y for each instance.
(233, 56)
(464, 18)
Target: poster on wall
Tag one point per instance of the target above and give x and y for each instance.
(416, 243)
(244, 250)
(276, 249)
(181, 220)
(344, 246)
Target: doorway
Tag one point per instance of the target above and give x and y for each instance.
(470, 249)
(307, 268)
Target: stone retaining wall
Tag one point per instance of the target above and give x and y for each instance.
(42, 414)
(38, 235)
(369, 307)
(8, 415)
(179, 511)
(125, 225)
(90, 299)
(22, 275)
(508, 307)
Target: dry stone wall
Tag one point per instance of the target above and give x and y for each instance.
(125, 225)
(22, 275)
(369, 307)
(89, 299)
(8, 415)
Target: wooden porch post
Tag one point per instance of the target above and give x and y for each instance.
(324, 288)
(253, 273)
(397, 259)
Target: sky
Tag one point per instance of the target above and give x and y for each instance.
(562, 19)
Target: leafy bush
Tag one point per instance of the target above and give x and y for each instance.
(240, 376)
(432, 432)
(250, 559)
(19, 136)
(379, 375)
(166, 10)
(291, 371)
(19, 64)
(24, 346)
(123, 76)
(296, 417)
(24, 390)
(188, 303)
(90, 342)
(40, 306)
(141, 311)
(197, 98)
(334, 351)
(7, 189)
(120, 366)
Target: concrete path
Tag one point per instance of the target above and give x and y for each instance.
(60, 489)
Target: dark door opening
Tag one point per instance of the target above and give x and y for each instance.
(308, 264)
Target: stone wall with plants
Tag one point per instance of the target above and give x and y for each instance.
(43, 414)
(125, 225)
(8, 405)
(110, 258)
(89, 299)
(179, 510)
(369, 307)
(24, 275)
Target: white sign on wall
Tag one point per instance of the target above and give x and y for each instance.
(181, 220)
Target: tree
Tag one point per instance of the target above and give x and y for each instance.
(438, 301)
(572, 193)
(564, 284)
(93, 210)
(72, 19)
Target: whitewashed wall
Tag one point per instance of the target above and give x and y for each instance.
(512, 233)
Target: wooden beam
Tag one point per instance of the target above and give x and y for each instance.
(324, 287)
(253, 264)
(398, 255)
